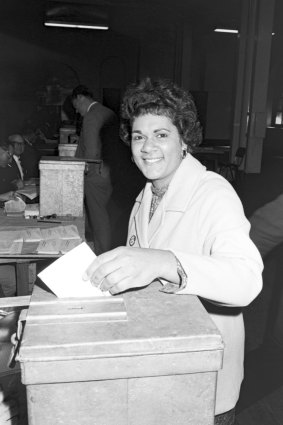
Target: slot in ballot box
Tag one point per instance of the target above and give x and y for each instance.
(145, 358)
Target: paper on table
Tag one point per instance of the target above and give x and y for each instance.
(51, 233)
(32, 210)
(16, 205)
(64, 276)
(32, 234)
(49, 246)
(11, 241)
(55, 246)
(69, 232)
(67, 245)
(30, 192)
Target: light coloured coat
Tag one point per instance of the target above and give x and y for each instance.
(201, 220)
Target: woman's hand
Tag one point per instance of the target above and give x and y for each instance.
(124, 268)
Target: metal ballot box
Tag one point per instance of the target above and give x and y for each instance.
(145, 359)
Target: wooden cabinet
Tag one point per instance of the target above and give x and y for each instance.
(145, 358)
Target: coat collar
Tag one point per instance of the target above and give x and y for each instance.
(182, 186)
(177, 198)
(90, 106)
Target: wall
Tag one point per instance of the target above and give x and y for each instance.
(28, 62)
(214, 71)
(158, 54)
(31, 55)
(218, 81)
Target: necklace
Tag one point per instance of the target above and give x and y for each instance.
(159, 191)
(157, 195)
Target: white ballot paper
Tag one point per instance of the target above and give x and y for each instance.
(64, 276)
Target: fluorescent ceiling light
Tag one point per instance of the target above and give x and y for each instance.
(226, 30)
(90, 27)
(72, 15)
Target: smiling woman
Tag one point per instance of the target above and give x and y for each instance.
(187, 229)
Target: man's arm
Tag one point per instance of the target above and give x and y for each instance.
(92, 124)
(267, 226)
(6, 185)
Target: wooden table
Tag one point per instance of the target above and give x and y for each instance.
(156, 365)
(22, 261)
(211, 155)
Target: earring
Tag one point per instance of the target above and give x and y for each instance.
(184, 153)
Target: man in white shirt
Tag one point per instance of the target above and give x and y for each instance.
(98, 140)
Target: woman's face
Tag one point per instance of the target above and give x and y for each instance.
(156, 148)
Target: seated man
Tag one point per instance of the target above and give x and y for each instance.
(25, 155)
(10, 179)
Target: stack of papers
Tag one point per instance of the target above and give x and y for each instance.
(64, 276)
(11, 242)
(30, 192)
(53, 240)
(59, 239)
(32, 234)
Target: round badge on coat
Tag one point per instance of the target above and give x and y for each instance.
(132, 240)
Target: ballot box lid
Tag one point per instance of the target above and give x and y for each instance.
(55, 162)
(147, 325)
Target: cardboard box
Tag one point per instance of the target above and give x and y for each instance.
(61, 187)
(66, 133)
(67, 149)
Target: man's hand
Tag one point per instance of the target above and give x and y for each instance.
(8, 410)
(19, 184)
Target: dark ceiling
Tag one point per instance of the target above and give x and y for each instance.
(133, 17)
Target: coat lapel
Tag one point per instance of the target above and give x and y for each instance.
(141, 216)
(184, 184)
(177, 198)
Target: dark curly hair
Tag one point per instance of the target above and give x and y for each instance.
(161, 97)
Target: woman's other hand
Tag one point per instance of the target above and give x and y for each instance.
(124, 268)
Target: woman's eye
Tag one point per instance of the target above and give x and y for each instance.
(136, 137)
(161, 135)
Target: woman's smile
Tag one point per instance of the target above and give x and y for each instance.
(152, 160)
